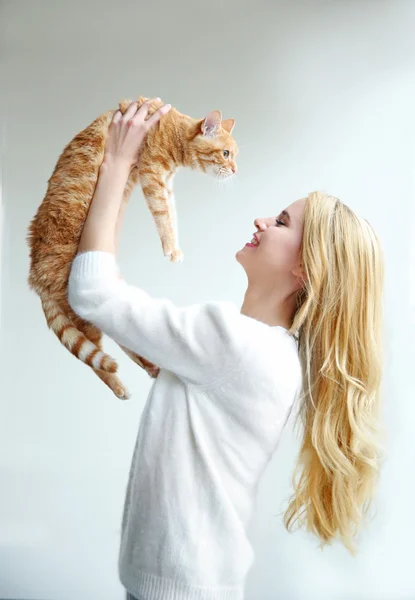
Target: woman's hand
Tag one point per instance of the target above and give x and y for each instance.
(122, 150)
(127, 132)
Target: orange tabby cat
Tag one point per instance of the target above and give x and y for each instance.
(53, 237)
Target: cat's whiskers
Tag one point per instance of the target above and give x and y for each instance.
(231, 180)
(223, 177)
(223, 174)
(219, 180)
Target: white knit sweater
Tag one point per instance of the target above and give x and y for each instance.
(212, 421)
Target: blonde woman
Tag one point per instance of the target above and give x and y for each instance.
(308, 335)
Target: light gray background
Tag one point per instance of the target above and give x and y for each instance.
(323, 96)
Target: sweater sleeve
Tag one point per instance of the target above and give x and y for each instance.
(200, 343)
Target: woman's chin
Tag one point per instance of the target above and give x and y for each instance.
(240, 253)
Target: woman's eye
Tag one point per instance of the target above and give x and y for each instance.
(226, 153)
(280, 222)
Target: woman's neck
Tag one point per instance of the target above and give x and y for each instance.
(268, 308)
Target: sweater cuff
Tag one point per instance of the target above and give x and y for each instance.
(94, 263)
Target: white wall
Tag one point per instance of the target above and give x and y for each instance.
(323, 96)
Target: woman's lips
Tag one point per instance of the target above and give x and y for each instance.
(254, 243)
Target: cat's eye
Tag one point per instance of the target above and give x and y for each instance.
(226, 153)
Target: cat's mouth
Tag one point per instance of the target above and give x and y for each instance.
(222, 174)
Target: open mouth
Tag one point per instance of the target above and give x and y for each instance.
(253, 243)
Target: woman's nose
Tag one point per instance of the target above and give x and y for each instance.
(260, 223)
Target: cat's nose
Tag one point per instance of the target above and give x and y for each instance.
(234, 168)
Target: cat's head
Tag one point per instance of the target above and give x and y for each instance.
(214, 149)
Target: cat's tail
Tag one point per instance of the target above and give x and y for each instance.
(74, 340)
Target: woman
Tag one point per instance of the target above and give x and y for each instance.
(309, 328)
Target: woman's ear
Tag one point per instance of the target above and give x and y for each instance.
(300, 273)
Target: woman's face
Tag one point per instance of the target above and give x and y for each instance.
(274, 260)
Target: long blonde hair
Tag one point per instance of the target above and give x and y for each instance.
(338, 325)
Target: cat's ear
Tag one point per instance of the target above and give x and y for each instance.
(228, 125)
(211, 125)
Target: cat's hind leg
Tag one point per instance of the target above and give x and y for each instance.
(94, 335)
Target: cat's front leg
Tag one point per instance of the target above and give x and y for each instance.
(173, 213)
(157, 189)
(152, 369)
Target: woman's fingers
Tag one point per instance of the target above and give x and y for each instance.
(131, 111)
(116, 116)
(144, 108)
(142, 112)
(158, 114)
(139, 114)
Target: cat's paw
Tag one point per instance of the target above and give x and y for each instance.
(118, 388)
(175, 255)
